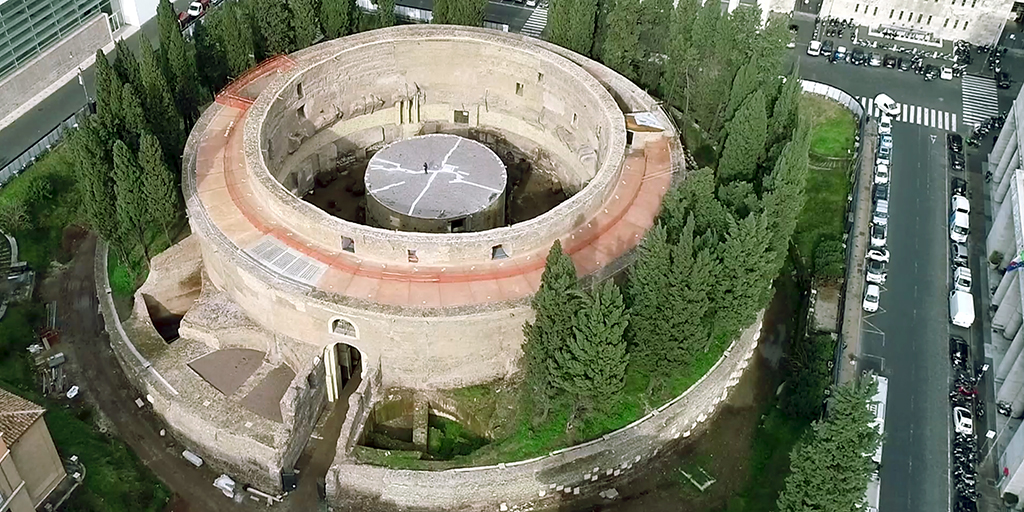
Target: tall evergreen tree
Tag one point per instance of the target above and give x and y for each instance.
(648, 295)
(160, 184)
(89, 146)
(126, 65)
(591, 368)
(337, 18)
(304, 22)
(694, 196)
(785, 112)
(236, 38)
(654, 28)
(621, 50)
(743, 282)
(273, 23)
(133, 115)
(109, 92)
(571, 24)
(598, 27)
(831, 466)
(459, 12)
(784, 196)
(682, 54)
(180, 72)
(163, 118)
(555, 305)
(385, 13)
(743, 85)
(745, 143)
(214, 71)
(132, 211)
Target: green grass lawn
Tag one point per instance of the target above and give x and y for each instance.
(834, 127)
(769, 462)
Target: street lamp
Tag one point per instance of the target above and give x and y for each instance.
(81, 81)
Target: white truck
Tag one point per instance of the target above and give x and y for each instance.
(961, 308)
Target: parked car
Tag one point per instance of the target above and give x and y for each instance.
(946, 73)
(958, 255)
(881, 174)
(958, 187)
(880, 160)
(839, 55)
(195, 9)
(875, 60)
(875, 271)
(962, 421)
(879, 235)
(880, 214)
(871, 296)
(885, 141)
(884, 153)
(931, 72)
(814, 48)
(884, 125)
(887, 104)
(956, 161)
(857, 57)
(881, 192)
(879, 255)
(903, 64)
(959, 349)
(960, 204)
(955, 142)
(1003, 80)
(827, 48)
(889, 62)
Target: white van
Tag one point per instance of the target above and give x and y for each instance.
(881, 213)
(814, 49)
(959, 227)
(961, 308)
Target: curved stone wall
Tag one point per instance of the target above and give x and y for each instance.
(387, 84)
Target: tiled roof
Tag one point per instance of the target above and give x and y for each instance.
(16, 416)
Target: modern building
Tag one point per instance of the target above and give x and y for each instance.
(45, 44)
(926, 21)
(30, 469)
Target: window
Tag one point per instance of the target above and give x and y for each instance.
(574, 118)
(955, 23)
(412, 256)
(298, 89)
(457, 225)
(876, 12)
(891, 12)
(348, 245)
(945, 23)
(974, 3)
(343, 327)
(301, 111)
(929, 20)
(498, 253)
(856, 8)
(919, 16)
(519, 89)
(462, 116)
(901, 16)
(965, 25)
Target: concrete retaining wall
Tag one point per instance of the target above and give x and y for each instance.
(543, 482)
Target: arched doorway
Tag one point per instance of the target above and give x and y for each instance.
(342, 362)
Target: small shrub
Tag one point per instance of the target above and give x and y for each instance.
(829, 259)
(13, 215)
(995, 258)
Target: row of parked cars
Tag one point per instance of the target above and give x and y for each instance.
(876, 266)
(961, 302)
(857, 57)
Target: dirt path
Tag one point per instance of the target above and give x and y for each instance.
(97, 372)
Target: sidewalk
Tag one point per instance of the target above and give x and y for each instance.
(853, 312)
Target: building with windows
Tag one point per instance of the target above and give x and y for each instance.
(44, 44)
(926, 21)
(30, 469)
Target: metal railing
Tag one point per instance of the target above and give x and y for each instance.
(48, 142)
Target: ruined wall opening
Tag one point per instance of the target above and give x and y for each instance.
(343, 364)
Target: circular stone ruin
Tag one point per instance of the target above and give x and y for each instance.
(436, 183)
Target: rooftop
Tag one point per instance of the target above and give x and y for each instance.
(17, 415)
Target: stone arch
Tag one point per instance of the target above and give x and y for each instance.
(340, 326)
(343, 364)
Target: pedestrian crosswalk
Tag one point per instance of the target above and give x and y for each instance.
(915, 114)
(535, 24)
(980, 99)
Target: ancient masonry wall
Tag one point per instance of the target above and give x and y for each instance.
(543, 482)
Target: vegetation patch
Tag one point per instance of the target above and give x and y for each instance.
(834, 126)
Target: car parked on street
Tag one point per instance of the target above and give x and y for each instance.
(879, 234)
(1003, 80)
(872, 294)
(884, 125)
(857, 57)
(880, 214)
(879, 255)
(814, 48)
(960, 204)
(956, 161)
(962, 421)
(839, 55)
(946, 73)
(881, 192)
(887, 105)
(889, 62)
(875, 60)
(884, 152)
(881, 174)
(955, 142)
(879, 160)
(903, 64)
(958, 255)
(931, 72)
(827, 48)
(885, 141)
(958, 187)
(959, 350)
(875, 271)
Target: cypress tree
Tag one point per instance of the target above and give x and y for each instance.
(89, 147)
(163, 118)
(831, 466)
(133, 115)
(126, 65)
(621, 49)
(743, 281)
(160, 184)
(745, 143)
(554, 305)
(459, 12)
(303, 22)
(336, 18)
(599, 30)
(784, 196)
(236, 38)
(132, 211)
(272, 21)
(785, 112)
(591, 368)
(571, 24)
(743, 85)
(694, 196)
(180, 71)
(214, 71)
(681, 53)
(385, 13)
(654, 28)
(648, 294)
(109, 93)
